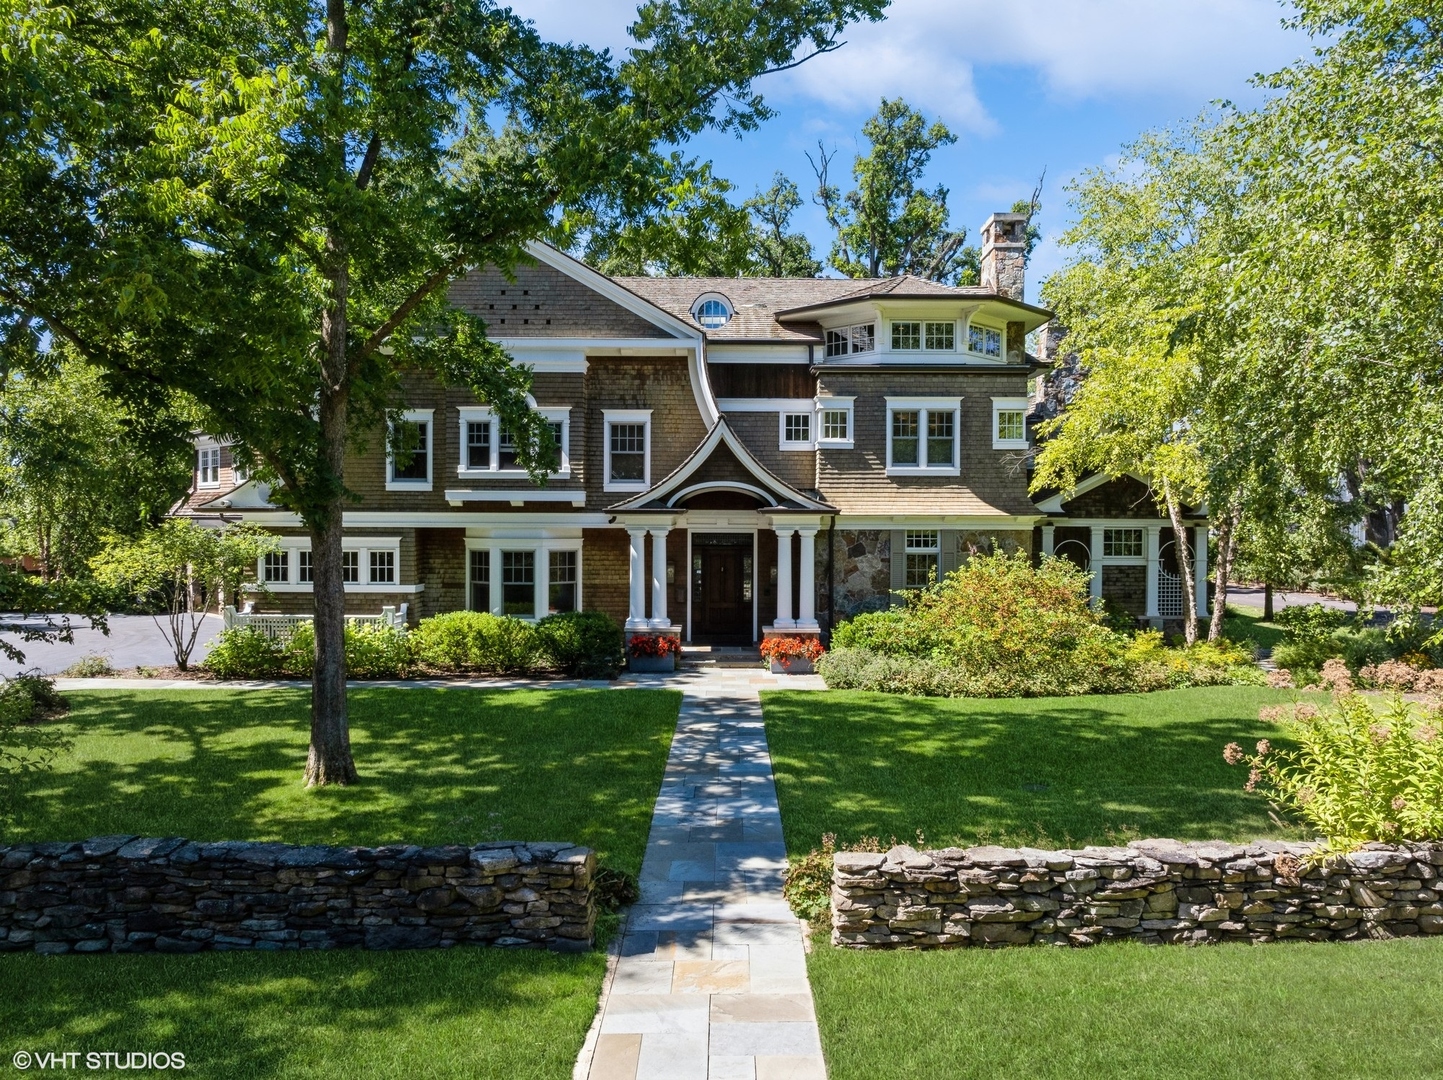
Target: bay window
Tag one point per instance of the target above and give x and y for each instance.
(844, 340)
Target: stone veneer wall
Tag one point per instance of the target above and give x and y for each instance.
(130, 894)
(1156, 891)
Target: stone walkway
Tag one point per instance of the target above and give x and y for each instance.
(711, 980)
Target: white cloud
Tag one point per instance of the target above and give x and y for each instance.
(926, 51)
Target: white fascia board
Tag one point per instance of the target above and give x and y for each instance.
(454, 519)
(543, 356)
(765, 405)
(570, 347)
(976, 522)
(514, 495)
(732, 353)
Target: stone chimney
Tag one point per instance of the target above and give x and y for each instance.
(1004, 254)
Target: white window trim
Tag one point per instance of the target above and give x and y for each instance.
(783, 443)
(705, 298)
(925, 406)
(541, 549)
(966, 347)
(935, 548)
(876, 346)
(477, 414)
(836, 404)
(625, 416)
(292, 546)
(1104, 559)
(207, 447)
(414, 416)
(1009, 404)
(957, 325)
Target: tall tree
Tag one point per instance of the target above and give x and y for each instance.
(75, 464)
(888, 224)
(262, 203)
(777, 251)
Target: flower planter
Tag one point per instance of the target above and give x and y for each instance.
(796, 665)
(652, 665)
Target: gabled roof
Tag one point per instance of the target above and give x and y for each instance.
(248, 495)
(765, 484)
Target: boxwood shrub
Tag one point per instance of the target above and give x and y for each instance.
(584, 644)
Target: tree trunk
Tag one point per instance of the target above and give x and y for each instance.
(1227, 549)
(1185, 564)
(1267, 603)
(329, 760)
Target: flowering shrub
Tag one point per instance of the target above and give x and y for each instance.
(1281, 679)
(1389, 675)
(783, 650)
(1336, 676)
(1154, 666)
(1358, 774)
(653, 645)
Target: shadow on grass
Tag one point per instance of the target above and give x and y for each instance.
(473, 1012)
(1044, 770)
(437, 766)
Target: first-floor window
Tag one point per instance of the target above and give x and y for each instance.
(305, 569)
(561, 582)
(1122, 543)
(383, 568)
(480, 580)
(518, 583)
(276, 567)
(923, 550)
(351, 567)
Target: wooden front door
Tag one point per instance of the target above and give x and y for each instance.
(721, 597)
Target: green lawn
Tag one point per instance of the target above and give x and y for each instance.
(1125, 1011)
(1035, 770)
(873, 764)
(1245, 622)
(346, 1014)
(437, 766)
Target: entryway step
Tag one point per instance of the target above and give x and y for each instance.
(720, 656)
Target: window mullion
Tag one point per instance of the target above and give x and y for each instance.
(922, 438)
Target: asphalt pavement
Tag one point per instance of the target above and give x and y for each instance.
(132, 641)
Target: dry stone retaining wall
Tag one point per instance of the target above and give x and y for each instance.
(134, 894)
(1157, 891)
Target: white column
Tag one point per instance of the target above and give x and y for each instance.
(784, 579)
(1153, 532)
(658, 578)
(1049, 536)
(636, 620)
(1200, 568)
(807, 594)
(496, 596)
(1094, 561)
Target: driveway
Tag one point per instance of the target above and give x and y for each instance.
(133, 641)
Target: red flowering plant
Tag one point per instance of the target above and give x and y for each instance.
(653, 645)
(783, 650)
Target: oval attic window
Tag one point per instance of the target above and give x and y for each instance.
(713, 313)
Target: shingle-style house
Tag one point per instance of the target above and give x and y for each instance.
(738, 456)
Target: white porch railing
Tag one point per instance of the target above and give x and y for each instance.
(283, 627)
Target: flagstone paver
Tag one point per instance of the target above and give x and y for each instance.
(711, 977)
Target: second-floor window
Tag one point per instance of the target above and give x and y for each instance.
(844, 340)
(912, 335)
(797, 431)
(985, 340)
(1009, 423)
(834, 422)
(487, 445)
(409, 453)
(208, 469)
(922, 435)
(478, 444)
(628, 450)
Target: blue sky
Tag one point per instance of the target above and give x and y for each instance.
(1026, 84)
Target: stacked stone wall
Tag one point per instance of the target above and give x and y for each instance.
(132, 894)
(1154, 891)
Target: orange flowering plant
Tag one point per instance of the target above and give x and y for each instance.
(1360, 772)
(783, 650)
(653, 645)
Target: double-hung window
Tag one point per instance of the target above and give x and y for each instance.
(488, 446)
(524, 579)
(561, 583)
(351, 567)
(845, 340)
(797, 431)
(480, 560)
(985, 341)
(368, 564)
(305, 568)
(383, 567)
(518, 583)
(627, 449)
(834, 422)
(922, 435)
(208, 466)
(408, 453)
(276, 568)
(916, 335)
(922, 554)
(1009, 423)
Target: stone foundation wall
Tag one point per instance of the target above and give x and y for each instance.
(1155, 891)
(862, 571)
(130, 894)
